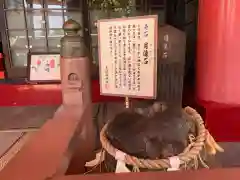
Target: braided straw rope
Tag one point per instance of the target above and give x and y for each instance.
(185, 157)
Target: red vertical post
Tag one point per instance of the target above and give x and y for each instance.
(218, 66)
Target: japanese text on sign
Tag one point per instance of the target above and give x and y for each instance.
(128, 56)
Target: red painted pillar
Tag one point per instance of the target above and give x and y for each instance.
(218, 66)
(1, 66)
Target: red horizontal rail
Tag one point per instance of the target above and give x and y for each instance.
(217, 174)
(47, 94)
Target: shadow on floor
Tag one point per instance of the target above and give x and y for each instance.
(25, 117)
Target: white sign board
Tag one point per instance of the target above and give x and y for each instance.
(128, 56)
(44, 67)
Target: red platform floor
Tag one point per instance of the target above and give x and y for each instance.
(222, 121)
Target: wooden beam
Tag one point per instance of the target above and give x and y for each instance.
(48, 151)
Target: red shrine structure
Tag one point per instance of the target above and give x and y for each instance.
(36, 26)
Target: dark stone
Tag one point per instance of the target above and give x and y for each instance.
(159, 136)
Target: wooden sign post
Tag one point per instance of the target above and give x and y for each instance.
(128, 57)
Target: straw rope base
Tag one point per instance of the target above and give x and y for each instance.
(190, 154)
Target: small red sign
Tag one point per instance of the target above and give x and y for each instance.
(52, 63)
